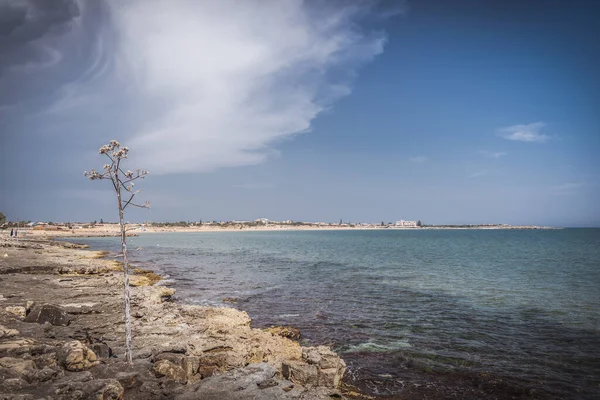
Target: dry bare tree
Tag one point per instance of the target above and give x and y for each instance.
(123, 183)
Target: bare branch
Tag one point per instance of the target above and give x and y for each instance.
(129, 201)
(145, 205)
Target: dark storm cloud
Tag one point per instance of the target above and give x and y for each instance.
(45, 44)
(22, 23)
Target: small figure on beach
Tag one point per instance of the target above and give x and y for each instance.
(11, 232)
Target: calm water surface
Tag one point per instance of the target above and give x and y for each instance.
(509, 313)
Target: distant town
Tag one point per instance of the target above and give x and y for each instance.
(260, 223)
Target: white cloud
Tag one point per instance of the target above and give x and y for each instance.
(418, 159)
(493, 154)
(201, 85)
(524, 133)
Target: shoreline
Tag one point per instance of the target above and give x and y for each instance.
(180, 351)
(111, 230)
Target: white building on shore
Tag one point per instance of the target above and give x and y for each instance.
(406, 224)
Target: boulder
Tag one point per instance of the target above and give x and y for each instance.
(319, 367)
(322, 356)
(170, 371)
(75, 356)
(189, 364)
(300, 373)
(102, 350)
(50, 313)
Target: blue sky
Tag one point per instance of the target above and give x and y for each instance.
(449, 112)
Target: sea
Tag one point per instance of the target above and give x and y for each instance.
(456, 314)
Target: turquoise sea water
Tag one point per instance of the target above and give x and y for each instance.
(512, 313)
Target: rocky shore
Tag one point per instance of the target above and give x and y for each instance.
(62, 337)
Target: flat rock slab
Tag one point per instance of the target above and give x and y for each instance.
(54, 315)
(255, 381)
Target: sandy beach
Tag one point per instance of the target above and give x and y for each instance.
(62, 337)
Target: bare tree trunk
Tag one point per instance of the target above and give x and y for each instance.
(127, 300)
(112, 171)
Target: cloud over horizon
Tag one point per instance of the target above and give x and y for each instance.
(189, 86)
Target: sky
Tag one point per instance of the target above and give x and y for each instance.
(448, 112)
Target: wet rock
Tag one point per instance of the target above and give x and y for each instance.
(19, 311)
(171, 371)
(100, 389)
(75, 356)
(231, 300)
(285, 331)
(50, 313)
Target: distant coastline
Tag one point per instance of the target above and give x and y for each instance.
(112, 229)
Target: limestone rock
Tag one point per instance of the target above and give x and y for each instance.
(321, 356)
(47, 374)
(50, 313)
(254, 381)
(171, 371)
(12, 384)
(29, 305)
(99, 389)
(75, 356)
(207, 371)
(19, 311)
(166, 293)
(300, 372)
(189, 364)
(6, 332)
(285, 331)
(319, 366)
(16, 368)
